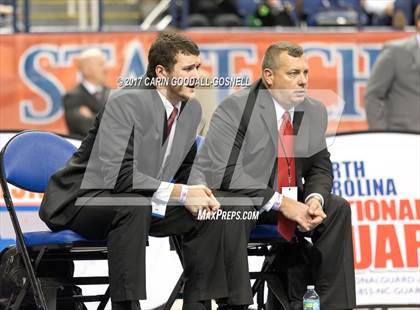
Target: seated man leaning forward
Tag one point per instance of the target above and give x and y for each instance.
(125, 182)
(268, 143)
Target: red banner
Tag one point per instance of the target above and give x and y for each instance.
(38, 68)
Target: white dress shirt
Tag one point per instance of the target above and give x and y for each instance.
(91, 88)
(161, 196)
(276, 200)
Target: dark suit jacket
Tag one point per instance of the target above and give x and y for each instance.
(123, 153)
(78, 124)
(254, 173)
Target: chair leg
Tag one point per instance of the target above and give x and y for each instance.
(20, 244)
(259, 280)
(260, 297)
(50, 293)
(39, 296)
(174, 293)
(104, 301)
(16, 303)
(258, 286)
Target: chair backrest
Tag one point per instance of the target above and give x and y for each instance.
(30, 158)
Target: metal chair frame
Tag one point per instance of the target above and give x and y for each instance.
(45, 289)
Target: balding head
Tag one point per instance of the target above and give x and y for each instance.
(270, 60)
(91, 64)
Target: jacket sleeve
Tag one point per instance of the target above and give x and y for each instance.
(112, 162)
(319, 176)
(212, 161)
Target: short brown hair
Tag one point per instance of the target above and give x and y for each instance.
(269, 60)
(165, 48)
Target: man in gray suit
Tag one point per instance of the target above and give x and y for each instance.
(392, 97)
(133, 163)
(267, 143)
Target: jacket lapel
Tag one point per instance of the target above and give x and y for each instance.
(160, 117)
(301, 131)
(267, 112)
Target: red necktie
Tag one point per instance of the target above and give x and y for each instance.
(286, 175)
(171, 121)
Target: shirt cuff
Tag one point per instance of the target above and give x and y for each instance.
(161, 197)
(273, 204)
(317, 196)
(183, 195)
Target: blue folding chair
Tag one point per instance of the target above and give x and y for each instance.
(27, 161)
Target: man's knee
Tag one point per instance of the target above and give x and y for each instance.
(137, 213)
(340, 206)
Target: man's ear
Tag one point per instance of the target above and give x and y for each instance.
(160, 71)
(268, 76)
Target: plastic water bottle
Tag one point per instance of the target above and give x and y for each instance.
(311, 299)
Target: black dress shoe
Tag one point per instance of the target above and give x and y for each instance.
(126, 305)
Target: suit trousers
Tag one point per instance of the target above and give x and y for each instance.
(328, 264)
(209, 249)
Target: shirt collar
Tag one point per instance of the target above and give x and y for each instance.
(91, 88)
(280, 111)
(168, 106)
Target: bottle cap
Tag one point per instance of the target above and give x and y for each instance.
(311, 287)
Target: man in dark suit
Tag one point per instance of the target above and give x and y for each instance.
(392, 96)
(82, 103)
(268, 143)
(142, 140)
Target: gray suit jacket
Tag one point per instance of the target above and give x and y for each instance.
(392, 97)
(254, 173)
(123, 153)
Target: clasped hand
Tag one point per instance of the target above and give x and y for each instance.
(200, 197)
(307, 216)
